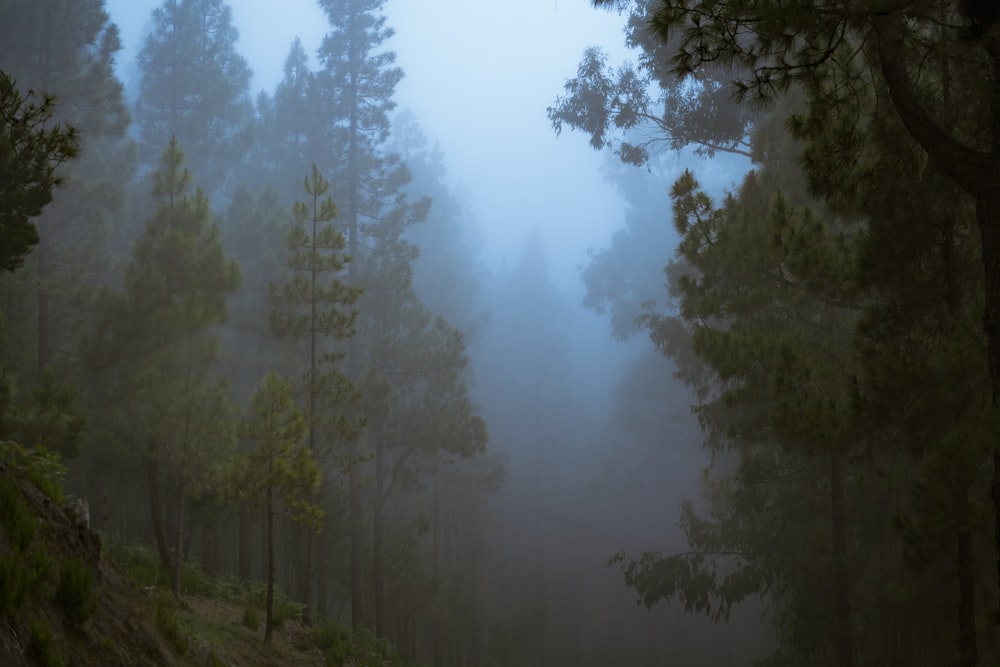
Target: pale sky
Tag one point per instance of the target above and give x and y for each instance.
(479, 76)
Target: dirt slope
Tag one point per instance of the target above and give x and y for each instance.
(63, 602)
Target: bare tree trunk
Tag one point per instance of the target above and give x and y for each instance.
(968, 650)
(156, 507)
(843, 633)
(245, 544)
(436, 643)
(322, 592)
(179, 551)
(306, 596)
(378, 579)
(269, 603)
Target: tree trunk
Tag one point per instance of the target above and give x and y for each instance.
(843, 633)
(968, 651)
(378, 579)
(210, 551)
(263, 544)
(306, 596)
(179, 552)
(988, 218)
(322, 593)
(357, 548)
(245, 544)
(269, 603)
(975, 172)
(156, 508)
(436, 644)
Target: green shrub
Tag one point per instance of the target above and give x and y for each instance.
(41, 466)
(167, 624)
(141, 566)
(333, 640)
(284, 610)
(42, 645)
(75, 592)
(21, 575)
(251, 617)
(17, 520)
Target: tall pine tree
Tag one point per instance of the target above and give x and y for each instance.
(154, 349)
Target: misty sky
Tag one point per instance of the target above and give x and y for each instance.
(479, 76)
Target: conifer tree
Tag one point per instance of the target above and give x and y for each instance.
(281, 471)
(154, 347)
(355, 88)
(29, 154)
(66, 49)
(930, 69)
(312, 306)
(289, 129)
(195, 87)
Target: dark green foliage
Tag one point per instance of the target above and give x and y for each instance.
(139, 563)
(333, 640)
(52, 421)
(251, 618)
(43, 645)
(359, 647)
(31, 148)
(25, 565)
(74, 593)
(643, 105)
(152, 350)
(18, 523)
(166, 609)
(42, 467)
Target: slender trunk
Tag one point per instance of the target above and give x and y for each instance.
(245, 544)
(156, 507)
(322, 601)
(378, 579)
(968, 651)
(844, 635)
(355, 497)
(436, 653)
(211, 552)
(269, 603)
(307, 578)
(988, 218)
(179, 551)
(357, 548)
(265, 529)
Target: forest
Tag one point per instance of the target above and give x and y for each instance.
(259, 337)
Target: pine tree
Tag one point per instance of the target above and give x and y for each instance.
(354, 90)
(66, 49)
(289, 127)
(195, 87)
(29, 154)
(281, 471)
(311, 306)
(154, 348)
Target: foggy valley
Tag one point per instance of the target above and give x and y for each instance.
(536, 334)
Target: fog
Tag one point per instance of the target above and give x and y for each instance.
(596, 438)
(526, 334)
(479, 79)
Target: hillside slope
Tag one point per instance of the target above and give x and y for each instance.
(64, 602)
